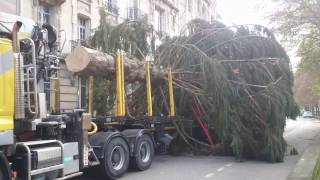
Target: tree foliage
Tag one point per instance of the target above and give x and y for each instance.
(239, 76)
(243, 81)
(304, 90)
(131, 36)
(299, 22)
(308, 70)
(297, 19)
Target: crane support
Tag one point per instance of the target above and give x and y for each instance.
(171, 97)
(121, 109)
(90, 94)
(122, 85)
(148, 84)
(118, 82)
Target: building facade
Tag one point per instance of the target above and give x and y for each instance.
(76, 20)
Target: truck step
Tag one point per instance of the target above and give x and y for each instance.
(70, 176)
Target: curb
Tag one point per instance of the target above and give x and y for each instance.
(308, 166)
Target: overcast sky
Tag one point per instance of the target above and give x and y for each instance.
(250, 12)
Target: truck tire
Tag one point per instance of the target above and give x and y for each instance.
(4, 168)
(1, 175)
(116, 158)
(144, 153)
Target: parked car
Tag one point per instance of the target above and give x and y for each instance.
(307, 114)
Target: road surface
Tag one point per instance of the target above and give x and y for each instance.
(298, 133)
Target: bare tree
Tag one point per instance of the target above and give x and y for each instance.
(297, 19)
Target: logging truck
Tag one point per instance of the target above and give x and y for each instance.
(37, 142)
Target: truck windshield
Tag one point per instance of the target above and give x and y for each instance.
(4, 31)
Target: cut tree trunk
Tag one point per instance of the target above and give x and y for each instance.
(89, 62)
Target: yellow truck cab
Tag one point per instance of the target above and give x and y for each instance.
(7, 84)
(7, 73)
(6, 102)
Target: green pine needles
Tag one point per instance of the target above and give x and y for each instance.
(134, 37)
(242, 78)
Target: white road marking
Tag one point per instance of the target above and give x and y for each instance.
(209, 175)
(230, 164)
(220, 169)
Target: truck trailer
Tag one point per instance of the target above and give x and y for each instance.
(37, 144)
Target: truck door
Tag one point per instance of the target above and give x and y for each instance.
(7, 84)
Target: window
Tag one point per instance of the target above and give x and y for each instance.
(160, 23)
(83, 93)
(190, 5)
(174, 2)
(134, 12)
(157, 20)
(134, 3)
(183, 4)
(174, 17)
(44, 15)
(82, 28)
(199, 6)
(10, 6)
(204, 12)
(111, 6)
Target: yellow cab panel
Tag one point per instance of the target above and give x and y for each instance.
(7, 85)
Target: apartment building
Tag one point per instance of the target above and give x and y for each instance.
(75, 20)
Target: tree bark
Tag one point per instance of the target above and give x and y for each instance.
(89, 62)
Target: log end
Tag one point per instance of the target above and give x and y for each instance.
(78, 59)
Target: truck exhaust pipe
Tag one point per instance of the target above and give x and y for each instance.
(19, 85)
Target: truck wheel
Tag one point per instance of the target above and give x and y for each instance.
(144, 153)
(1, 175)
(116, 158)
(4, 168)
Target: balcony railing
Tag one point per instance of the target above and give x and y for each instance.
(52, 2)
(112, 8)
(135, 14)
(78, 42)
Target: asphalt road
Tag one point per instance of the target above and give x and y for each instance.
(298, 133)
